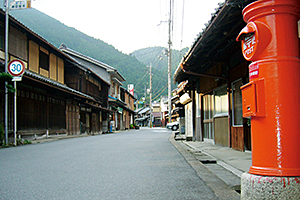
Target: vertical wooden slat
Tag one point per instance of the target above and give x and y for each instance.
(237, 138)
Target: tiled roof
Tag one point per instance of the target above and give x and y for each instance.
(54, 83)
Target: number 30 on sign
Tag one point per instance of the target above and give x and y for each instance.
(16, 68)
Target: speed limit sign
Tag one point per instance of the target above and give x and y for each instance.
(16, 68)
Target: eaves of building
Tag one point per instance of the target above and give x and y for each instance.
(111, 70)
(56, 85)
(76, 57)
(211, 46)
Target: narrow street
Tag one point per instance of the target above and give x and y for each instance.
(136, 164)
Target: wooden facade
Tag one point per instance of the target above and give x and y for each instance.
(90, 113)
(123, 107)
(39, 109)
(56, 94)
(237, 138)
(128, 110)
(215, 65)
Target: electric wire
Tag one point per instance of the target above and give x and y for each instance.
(158, 96)
(161, 31)
(182, 24)
(140, 79)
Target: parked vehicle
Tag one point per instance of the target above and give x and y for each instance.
(174, 126)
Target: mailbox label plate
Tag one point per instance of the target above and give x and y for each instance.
(253, 70)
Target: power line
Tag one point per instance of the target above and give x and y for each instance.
(182, 23)
(141, 78)
(161, 89)
(157, 96)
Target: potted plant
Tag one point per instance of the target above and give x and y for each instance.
(131, 126)
(136, 126)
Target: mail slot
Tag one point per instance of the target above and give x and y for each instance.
(253, 95)
(255, 37)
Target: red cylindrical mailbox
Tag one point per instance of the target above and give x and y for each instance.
(272, 97)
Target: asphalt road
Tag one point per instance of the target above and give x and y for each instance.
(137, 164)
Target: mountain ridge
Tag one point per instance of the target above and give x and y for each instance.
(132, 66)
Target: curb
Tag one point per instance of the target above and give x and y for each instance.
(217, 185)
(227, 166)
(56, 138)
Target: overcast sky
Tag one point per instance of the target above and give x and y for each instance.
(130, 25)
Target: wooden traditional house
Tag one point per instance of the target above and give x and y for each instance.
(164, 110)
(104, 83)
(215, 69)
(43, 98)
(142, 116)
(117, 99)
(156, 114)
(128, 111)
(86, 75)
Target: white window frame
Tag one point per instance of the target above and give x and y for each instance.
(208, 102)
(223, 114)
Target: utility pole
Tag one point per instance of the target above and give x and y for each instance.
(150, 95)
(169, 63)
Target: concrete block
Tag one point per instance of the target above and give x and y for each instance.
(269, 187)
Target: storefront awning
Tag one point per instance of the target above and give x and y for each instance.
(98, 107)
(142, 118)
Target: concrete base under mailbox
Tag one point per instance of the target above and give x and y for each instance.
(269, 187)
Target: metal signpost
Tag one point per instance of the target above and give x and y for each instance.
(14, 68)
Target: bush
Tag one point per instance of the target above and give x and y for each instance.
(27, 142)
(23, 142)
(7, 77)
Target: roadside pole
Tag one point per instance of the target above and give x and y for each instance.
(150, 95)
(169, 64)
(16, 69)
(6, 61)
(15, 114)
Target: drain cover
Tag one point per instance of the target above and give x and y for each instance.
(208, 161)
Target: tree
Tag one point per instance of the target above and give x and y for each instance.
(7, 77)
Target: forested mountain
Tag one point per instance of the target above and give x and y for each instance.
(157, 56)
(57, 33)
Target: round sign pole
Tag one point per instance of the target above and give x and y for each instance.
(15, 114)
(6, 61)
(16, 68)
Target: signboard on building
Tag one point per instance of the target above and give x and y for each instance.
(131, 89)
(120, 110)
(21, 4)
